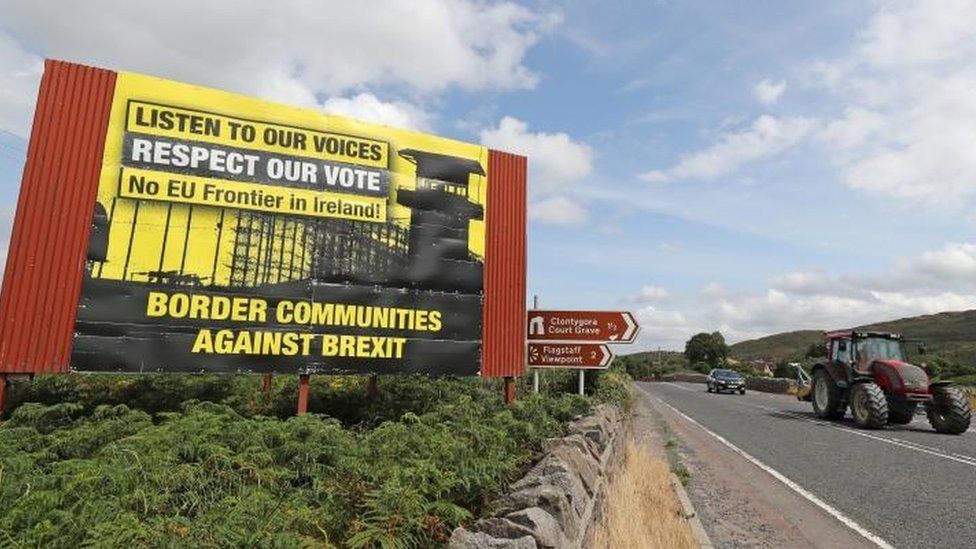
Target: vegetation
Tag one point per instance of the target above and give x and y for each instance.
(705, 348)
(653, 364)
(174, 461)
(646, 512)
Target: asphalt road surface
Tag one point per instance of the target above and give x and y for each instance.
(904, 486)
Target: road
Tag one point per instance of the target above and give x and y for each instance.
(900, 487)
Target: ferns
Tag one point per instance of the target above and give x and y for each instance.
(222, 467)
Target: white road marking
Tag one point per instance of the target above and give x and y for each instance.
(938, 452)
(963, 458)
(844, 519)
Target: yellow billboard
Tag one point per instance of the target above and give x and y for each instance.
(211, 197)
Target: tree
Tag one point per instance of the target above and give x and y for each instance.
(708, 348)
(817, 350)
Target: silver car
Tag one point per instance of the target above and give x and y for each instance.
(721, 379)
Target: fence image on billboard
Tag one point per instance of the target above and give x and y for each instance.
(234, 235)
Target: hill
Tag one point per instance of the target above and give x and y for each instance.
(951, 336)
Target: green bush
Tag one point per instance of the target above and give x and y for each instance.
(174, 461)
(969, 380)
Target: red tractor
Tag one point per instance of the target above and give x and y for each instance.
(869, 372)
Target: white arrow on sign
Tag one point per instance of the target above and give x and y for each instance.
(632, 328)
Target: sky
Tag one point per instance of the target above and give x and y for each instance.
(748, 167)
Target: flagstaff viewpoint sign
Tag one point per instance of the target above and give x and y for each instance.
(230, 234)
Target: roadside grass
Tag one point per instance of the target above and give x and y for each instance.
(969, 381)
(682, 472)
(643, 510)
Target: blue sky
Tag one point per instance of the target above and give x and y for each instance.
(749, 167)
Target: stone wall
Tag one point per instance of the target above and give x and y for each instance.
(686, 377)
(557, 502)
(754, 383)
(770, 384)
(971, 393)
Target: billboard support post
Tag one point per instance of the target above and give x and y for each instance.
(302, 394)
(266, 386)
(509, 390)
(582, 380)
(372, 388)
(4, 385)
(535, 371)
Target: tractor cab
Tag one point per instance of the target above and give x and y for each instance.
(859, 350)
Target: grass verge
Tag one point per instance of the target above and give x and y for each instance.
(642, 508)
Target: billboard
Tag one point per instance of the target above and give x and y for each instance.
(230, 234)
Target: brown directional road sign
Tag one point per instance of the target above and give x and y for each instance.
(569, 355)
(608, 326)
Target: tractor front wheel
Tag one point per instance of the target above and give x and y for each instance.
(869, 408)
(948, 411)
(827, 397)
(901, 413)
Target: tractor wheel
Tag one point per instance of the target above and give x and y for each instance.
(901, 413)
(826, 396)
(948, 411)
(869, 408)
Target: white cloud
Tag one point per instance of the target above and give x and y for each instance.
(768, 92)
(555, 159)
(648, 294)
(20, 74)
(766, 136)
(713, 289)
(367, 107)
(288, 50)
(918, 33)
(933, 281)
(775, 311)
(909, 118)
(930, 282)
(809, 282)
(668, 329)
(954, 262)
(854, 128)
(6, 227)
(557, 210)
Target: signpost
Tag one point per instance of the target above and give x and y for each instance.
(576, 339)
(609, 326)
(569, 355)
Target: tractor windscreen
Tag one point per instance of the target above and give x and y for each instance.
(879, 348)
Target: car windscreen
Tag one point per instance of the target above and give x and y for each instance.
(726, 374)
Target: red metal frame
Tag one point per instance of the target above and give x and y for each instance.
(503, 343)
(48, 245)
